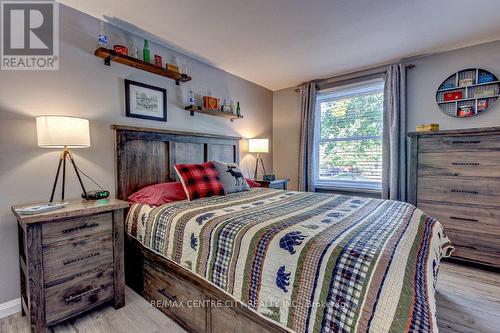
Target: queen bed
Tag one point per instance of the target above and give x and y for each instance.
(267, 260)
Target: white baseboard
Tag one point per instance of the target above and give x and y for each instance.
(10, 307)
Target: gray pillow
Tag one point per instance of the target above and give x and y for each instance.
(231, 177)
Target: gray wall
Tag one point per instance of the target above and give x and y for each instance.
(84, 87)
(431, 71)
(423, 80)
(286, 135)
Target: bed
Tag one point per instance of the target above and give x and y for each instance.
(273, 261)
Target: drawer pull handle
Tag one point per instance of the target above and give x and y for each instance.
(465, 163)
(463, 219)
(78, 297)
(72, 261)
(164, 292)
(464, 191)
(470, 141)
(82, 227)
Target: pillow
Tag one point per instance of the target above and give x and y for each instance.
(158, 194)
(199, 180)
(231, 177)
(252, 183)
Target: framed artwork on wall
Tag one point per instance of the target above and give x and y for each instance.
(145, 101)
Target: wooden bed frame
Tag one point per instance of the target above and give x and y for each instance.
(146, 156)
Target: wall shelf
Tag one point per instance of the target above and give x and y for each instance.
(217, 113)
(110, 55)
(468, 93)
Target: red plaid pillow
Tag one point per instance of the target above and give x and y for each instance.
(199, 180)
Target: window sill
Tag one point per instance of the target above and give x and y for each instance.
(351, 189)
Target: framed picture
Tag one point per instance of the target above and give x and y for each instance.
(145, 101)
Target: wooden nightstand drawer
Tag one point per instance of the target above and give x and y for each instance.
(80, 227)
(65, 259)
(80, 293)
(459, 143)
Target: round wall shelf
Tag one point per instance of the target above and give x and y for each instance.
(468, 93)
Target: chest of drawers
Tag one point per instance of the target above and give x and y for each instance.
(71, 260)
(455, 178)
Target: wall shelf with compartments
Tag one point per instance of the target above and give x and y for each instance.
(199, 109)
(468, 92)
(111, 55)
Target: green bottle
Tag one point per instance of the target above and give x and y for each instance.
(145, 51)
(238, 111)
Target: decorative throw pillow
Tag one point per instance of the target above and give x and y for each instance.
(199, 180)
(252, 183)
(231, 177)
(159, 194)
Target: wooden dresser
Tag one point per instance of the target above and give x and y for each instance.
(71, 259)
(455, 178)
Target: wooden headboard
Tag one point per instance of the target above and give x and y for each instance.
(145, 156)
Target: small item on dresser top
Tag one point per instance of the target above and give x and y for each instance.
(482, 104)
(485, 78)
(269, 178)
(96, 195)
(465, 111)
(484, 93)
(210, 103)
(120, 49)
(41, 208)
(428, 128)
(172, 67)
(158, 60)
(466, 82)
(453, 96)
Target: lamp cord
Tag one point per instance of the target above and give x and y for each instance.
(83, 173)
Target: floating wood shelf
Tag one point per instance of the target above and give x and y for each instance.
(110, 55)
(199, 109)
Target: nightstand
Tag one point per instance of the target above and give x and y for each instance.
(279, 184)
(71, 259)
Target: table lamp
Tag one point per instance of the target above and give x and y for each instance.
(258, 146)
(63, 133)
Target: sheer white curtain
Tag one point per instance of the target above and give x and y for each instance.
(307, 95)
(394, 149)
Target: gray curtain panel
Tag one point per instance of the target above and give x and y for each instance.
(394, 150)
(307, 93)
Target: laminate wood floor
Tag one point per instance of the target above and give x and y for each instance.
(468, 300)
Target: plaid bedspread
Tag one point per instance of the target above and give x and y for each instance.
(310, 261)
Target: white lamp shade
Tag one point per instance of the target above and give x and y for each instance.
(60, 132)
(258, 145)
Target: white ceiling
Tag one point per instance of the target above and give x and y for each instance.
(280, 43)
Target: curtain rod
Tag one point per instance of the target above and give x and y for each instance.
(360, 73)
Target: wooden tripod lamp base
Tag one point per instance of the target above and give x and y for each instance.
(66, 155)
(258, 146)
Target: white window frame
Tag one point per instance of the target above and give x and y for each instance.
(364, 88)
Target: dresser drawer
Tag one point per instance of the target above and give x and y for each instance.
(79, 294)
(61, 260)
(464, 218)
(458, 143)
(459, 190)
(173, 295)
(475, 247)
(77, 228)
(471, 164)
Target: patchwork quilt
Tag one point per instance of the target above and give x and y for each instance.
(313, 262)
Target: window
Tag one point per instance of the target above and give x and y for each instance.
(349, 139)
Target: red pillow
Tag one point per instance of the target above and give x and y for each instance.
(158, 194)
(199, 180)
(252, 183)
